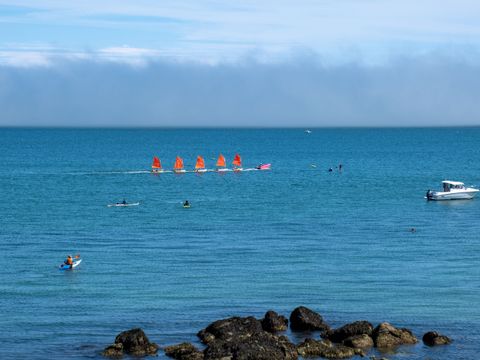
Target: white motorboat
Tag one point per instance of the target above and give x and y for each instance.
(452, 190)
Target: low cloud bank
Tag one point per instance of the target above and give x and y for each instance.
(431, 90)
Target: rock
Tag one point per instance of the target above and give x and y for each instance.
(325, 349)
(358, 341)
(349, 330)
(234, 327)
(433, 338)
(132, 342)
(259, 346)
(387, 336)
(272, 322)
(184, 351)
(114, 351)
(240, 338)
(304, 319)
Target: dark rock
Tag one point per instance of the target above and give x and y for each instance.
(184, 351)
(358, 341)
(259, 346)
(349, 330)
(304, 319)
(387, 336)
(237, 328)
(133, 342)
(325, 349)
(113, 351)
(272, 322)
(433, 338)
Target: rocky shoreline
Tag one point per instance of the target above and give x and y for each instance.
(248, 338)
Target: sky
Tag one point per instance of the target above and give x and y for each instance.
(303, 63)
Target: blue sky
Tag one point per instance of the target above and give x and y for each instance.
(381, 63)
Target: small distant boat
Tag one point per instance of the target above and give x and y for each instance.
(123, 204)
(178, 167)
(237, 163)
(452, 190)
(221, 164)
(263, 167)
(156, 165)
(200, 165)
(308, 131)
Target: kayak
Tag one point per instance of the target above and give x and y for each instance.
(123, 205)
(186, 206)
(67, 267)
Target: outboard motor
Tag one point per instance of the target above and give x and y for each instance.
(428, 195)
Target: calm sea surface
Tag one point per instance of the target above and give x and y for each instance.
(339, 243)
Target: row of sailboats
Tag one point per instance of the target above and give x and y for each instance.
(221, 165)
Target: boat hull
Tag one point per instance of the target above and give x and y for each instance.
(467, 194)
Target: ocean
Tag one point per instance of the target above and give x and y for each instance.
(337, 242)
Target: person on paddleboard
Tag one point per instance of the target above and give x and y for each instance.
(69, 261)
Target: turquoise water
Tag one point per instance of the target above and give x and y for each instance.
(253, 241)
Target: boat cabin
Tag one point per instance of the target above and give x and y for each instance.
(449, 185)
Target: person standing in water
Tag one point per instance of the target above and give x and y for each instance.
(340, 167)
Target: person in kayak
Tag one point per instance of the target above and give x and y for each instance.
(186, 204)
(69, 261)
(124, 202)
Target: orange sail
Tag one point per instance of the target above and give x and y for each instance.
(221, 161)
(200, 163)
(156, 163)
(237, 161)
(178, 163)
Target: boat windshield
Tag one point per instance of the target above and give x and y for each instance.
(448, 186)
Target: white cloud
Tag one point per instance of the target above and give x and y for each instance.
(213, 31)
(127, 55)
(24, 59)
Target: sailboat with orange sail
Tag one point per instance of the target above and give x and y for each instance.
(200, 165)
(178, 167)
(221, 163)
(156, 165)
(237, 163)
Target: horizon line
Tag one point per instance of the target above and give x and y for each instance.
(208, 127)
